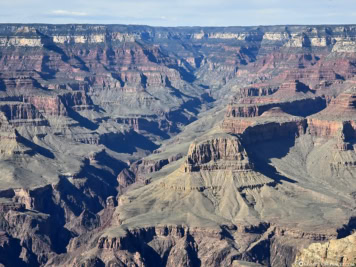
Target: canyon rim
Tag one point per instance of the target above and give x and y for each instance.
(124, 145)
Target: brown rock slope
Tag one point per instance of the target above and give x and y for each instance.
(218, 197)
(141, 146)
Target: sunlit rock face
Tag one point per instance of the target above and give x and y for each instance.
(191, 146)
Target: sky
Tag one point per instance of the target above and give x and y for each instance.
(179, 12)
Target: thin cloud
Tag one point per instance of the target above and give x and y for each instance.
(68, 13)
(179, 13)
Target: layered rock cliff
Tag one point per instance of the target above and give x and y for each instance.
(200, 146)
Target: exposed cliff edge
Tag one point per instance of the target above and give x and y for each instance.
(193, 146)
(335, 252)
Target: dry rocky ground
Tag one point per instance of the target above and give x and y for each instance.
(141, 146)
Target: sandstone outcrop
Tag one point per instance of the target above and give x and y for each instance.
(337, 121)
(334, 252)
(214, 154)
(200, 146)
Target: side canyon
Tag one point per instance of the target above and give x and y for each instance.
(188, 146)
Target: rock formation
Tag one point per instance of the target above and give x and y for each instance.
(141, 146)
(334, 252)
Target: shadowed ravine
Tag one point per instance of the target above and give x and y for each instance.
(191, 146)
